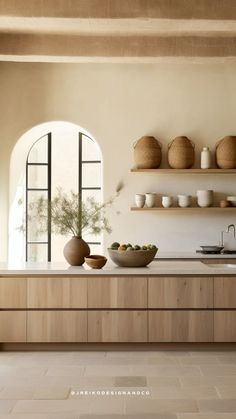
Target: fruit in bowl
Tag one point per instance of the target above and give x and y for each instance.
(132, 256)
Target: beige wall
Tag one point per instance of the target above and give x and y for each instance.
(118, 103)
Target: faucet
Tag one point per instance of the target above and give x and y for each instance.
(229, 228)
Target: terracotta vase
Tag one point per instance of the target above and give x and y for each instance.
(75, 250)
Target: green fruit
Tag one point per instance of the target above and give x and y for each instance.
(129, 248)
(129, 245)
(144, 247)
(137, 247)
(115, 245)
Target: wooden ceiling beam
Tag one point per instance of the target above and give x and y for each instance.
(161, 9)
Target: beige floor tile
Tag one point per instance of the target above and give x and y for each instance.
(211, 406)
(16, 393)
(199, 360)
(130, 381)
(6, 406)
(65, 371)
(21, 372)
(208, 381)
(164, 381)
(51, 393)
(106, 371)
(218, 370)
(205, 416)
(192, 393)
(96, 405)
(160, 406)
(226, 392)
(166, 370)
(143, 416)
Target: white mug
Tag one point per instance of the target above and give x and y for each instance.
(166, 201)
(150, 199)
(205, 198)
(140, 200)
(184, 201)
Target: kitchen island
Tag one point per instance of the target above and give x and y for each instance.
(172, 301)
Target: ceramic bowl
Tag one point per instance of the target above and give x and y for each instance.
(96, 261)
(132, 259)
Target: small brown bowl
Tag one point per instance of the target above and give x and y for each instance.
(96, 261)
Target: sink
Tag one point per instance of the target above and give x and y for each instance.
(222, 265)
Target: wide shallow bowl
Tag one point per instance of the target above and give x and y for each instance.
(212, 248)
(96, 261)
(132, 258)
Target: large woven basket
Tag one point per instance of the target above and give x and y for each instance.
(147, 153)
(181, 153)
(226, 153)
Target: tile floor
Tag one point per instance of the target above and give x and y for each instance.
(167, 385)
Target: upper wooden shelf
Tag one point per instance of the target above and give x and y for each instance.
(184, 209)
(187, 171)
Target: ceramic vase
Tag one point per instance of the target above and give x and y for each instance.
(75, 250)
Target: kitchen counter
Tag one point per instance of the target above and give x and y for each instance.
(193, 255)
(154, 269)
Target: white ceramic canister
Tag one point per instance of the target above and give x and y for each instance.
(184, 201)
(150, 199)
(205, 158)
(166, 201)
(140, 200)
(205, 198)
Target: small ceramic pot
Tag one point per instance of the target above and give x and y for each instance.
(184, 201)
(167, 201)
(140, 200)
(205, 198)
(150, 199)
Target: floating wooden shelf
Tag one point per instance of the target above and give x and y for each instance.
(184, 209)
(187, 171)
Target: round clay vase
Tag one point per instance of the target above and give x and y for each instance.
(75, 250)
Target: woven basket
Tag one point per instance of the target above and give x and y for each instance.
(147, 153)
(226, 153)
(181, 153)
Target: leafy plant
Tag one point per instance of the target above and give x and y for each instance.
(70, 215)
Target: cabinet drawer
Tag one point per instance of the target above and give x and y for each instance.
(127, 292)
(12, 326)
(225, 326)
(180, 326)
(225, 292)
(57, 292)
(180, 292)
(56, 326)
(12, 292)
(117, 326)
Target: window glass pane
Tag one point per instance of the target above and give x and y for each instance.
(39, 151)
(95, 249)
(96, 194)
(91, 175)
(37, 252)
(34, 224)
(37, 176)
(90, 150)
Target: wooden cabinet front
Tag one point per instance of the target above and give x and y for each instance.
(117, 326)
(12, 326)
(57, 326)
(12, 292)
(180, 326)
(225, 326)
(180, 292)
(117, 292)
(225, 292)
(57, 292)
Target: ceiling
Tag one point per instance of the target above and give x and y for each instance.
(117, 30)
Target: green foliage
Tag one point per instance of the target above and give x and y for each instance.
(69, 215)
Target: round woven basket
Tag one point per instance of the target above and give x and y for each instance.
(181, 153)
(147, 153)
(226, 153)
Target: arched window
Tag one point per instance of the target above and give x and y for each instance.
(65, 157)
